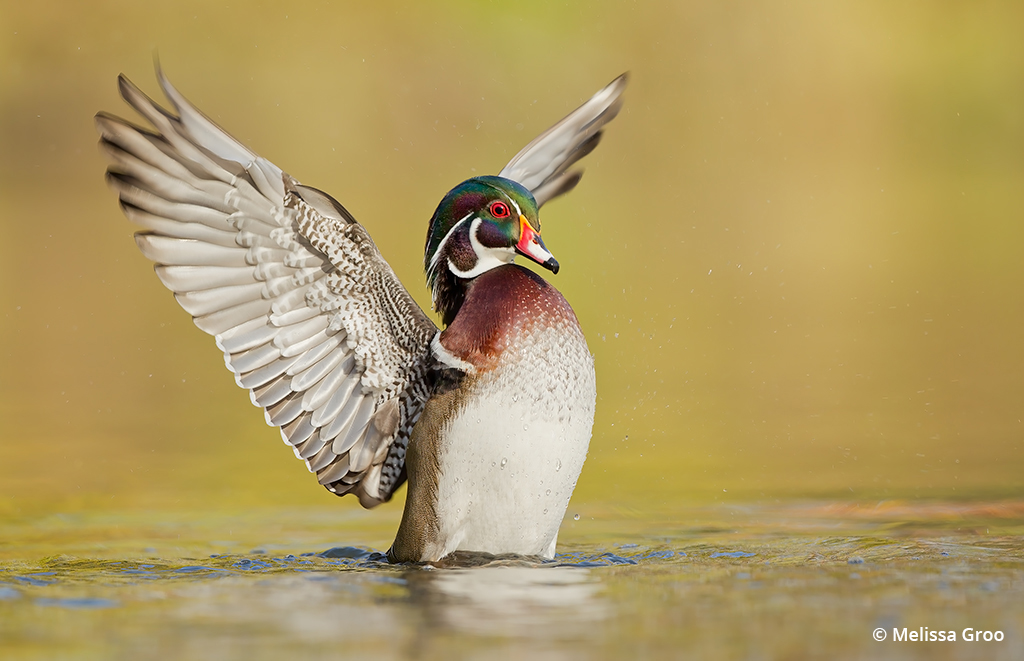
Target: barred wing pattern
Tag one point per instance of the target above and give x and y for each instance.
(542, 166)
(311, 319)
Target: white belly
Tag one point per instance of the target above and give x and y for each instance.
(510, 460)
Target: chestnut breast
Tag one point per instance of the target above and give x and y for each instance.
(500, 305)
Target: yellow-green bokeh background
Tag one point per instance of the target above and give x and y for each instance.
(796, 256)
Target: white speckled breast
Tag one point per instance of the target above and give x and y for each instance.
(510, 458)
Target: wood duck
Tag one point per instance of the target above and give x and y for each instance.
(488, 419)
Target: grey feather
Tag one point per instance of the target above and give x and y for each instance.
(327, 458)
(299, 431)
(223, 320)
(541, 165)
(317, 398)
(284, 411)
(192, 278)
(315, 355)
(208, 301)
(187, 252)
(263, 375)
(310, 317)
(272, 393)
(178, 229)
(253, 359)
(310, 377)
(297, 333)
(310, 446)
(333, 406)
(337, 430)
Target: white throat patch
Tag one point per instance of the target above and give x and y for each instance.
(486, 258)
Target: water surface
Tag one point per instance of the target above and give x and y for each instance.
(809, 580)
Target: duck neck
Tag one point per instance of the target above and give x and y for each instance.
(449, 293)
(444, 261)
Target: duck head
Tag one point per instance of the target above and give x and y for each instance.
(482, 223)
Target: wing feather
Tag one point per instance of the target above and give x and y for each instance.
(326, 414)
(253, 359)
(167, 250)
(311, 319)
(298, 432)
(261, 376)
(192, 278)
(542, 165)
(310, 446)
(313, 356)
(272, 393)
(177, 229)
(325, 375)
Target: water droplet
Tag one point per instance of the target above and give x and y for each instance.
(494, 463)
(545, 510)
(504, 461)
(526, 427)
(558, 465)
(575, 517)
(548, 492)
(515, 398)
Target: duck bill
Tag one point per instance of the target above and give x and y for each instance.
(532, 246)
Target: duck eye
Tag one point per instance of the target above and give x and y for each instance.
(499, 210)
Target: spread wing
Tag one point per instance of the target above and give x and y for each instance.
(543, 165)
(311, 319)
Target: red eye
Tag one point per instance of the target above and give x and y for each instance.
(499, 210)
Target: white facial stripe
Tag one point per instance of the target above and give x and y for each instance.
(486, 258)
(437, 253)
(518, 210)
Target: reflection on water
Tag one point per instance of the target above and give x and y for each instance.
(510, 600)
(756, 582)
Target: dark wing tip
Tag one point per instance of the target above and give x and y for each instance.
(620, 82)
(103, 121)
(125, 87)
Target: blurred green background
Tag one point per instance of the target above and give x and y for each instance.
(796, 255)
